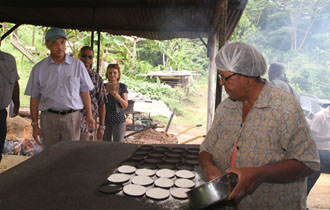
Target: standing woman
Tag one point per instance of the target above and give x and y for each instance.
(117, 103)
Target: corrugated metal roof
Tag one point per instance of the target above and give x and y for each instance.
(152, 19)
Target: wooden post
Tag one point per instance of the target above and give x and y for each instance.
(211, 82)
(98, 51)
(92, 40)
(33, 35)
(218, 27)
(222, 41)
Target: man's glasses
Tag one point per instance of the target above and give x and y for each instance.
(224, 79)
(87, 56)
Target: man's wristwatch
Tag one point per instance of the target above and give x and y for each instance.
(34, 123)
(102, 127)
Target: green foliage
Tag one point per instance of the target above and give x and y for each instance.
(295, 33)
(158, 91)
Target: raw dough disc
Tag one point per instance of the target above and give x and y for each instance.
(156, 154)
(165, 173)
(164, 183)
(130, 162)
(134, 190)
(146, 147)
(110, 188)
(178, 149)
(185, 174)
(142, 180)
(185, 167)
(180, 193)
(166, 165)
(192, 161)
(173, 154)
(172, 160)
(118, 178)
(141, 152)
(137, 157)
(161, 148)
(158, 193)
(126, 169)
(144, 172)
(184, 183)
(147, 165)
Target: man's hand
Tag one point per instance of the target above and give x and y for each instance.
(90, 123)
(15, 110)
(15, 98)
(36, 133)
(249, 180)
(100, 133)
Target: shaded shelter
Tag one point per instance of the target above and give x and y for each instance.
(151, 19)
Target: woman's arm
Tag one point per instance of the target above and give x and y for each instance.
(207, 164)
(123, 100)
(282, 172)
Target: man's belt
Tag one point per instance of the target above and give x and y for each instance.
(62, 112)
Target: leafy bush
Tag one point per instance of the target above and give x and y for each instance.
(158, 91)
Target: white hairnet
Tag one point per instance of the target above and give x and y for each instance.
(241, 58)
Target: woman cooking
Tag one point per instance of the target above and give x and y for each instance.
(117, 102)
(260, 134)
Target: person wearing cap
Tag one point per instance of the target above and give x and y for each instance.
(277, 78)
(9, 91)
(98, 98)
(59, 87)
(258, 133)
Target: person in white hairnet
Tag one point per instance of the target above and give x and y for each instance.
(260, 134)
(277, 78)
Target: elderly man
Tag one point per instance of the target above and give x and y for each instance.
(9, 91)
(59, 87)
(98, 98)
(277, 78)
(260, 134)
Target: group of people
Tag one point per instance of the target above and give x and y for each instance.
(69, 94)
(259, 132)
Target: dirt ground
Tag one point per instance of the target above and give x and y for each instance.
(319, 197)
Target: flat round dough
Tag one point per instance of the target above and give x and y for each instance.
(165, 173)
(126, 169)
(118, 178)
(158, 193)
(180, 193)
(185, 174)
(164, 182)
(184, 183)
(144, 172)
(142, 180)
(134, 190)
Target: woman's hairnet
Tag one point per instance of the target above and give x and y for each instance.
(241, 58)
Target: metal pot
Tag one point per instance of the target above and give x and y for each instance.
(213, 194)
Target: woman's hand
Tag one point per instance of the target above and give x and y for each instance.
(115, 94)
(100, 133)
(249, 180)
(212, 172)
